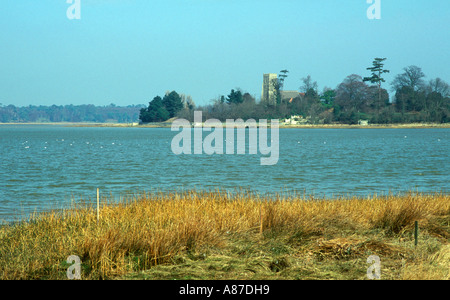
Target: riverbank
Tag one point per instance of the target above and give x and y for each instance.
(211, 235)
(303, 126)
(372, 126)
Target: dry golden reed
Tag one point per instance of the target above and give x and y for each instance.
(152, 228)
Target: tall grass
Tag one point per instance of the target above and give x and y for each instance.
(153, 228)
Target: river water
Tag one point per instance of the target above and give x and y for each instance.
(48, 167)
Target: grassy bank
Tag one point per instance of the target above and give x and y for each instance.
(208, 235)
(168, 124)
(304, 126)
(374, 126)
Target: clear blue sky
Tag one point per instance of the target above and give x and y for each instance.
(128, 51)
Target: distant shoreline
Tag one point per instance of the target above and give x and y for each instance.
(283, 126)
(372, 126)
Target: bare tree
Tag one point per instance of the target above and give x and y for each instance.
(352, 93)
(439, 86)
(308, 84)
(412, 77)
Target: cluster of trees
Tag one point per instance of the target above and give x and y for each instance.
(162, 109)
(70, 113)
(355, 98)
(417, 100)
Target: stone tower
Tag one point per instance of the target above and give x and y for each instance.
(268, 90)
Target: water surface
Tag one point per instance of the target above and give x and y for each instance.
(44, 167)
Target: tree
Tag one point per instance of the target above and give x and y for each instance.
(437, 101)
(439, 86)
(277, 87)
(377, 71)
(351, 94)
(248, 98)
(173, 103)
(156, 111)
(308, 84)
(408, 100)
(235, 97)
(403, 98)
(412, 77)
(376, 98)
(328, 96)
(410, 91)
(190, 104)
(282, 77)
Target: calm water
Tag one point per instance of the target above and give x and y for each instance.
(44, 167)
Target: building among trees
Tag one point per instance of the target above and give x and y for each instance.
(289, 96)
(272, 90)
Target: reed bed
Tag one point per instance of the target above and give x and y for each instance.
(157, 231)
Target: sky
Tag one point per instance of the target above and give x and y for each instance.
(128, 51)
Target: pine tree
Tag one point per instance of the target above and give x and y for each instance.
(377, 71)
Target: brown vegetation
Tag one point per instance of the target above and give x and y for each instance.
(211, 235)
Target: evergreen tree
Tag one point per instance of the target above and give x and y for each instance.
(173, 103)
(235, 97)
(377, 71)
(156, 111)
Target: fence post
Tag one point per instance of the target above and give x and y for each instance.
(416, 233)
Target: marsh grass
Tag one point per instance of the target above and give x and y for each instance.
(215, 235)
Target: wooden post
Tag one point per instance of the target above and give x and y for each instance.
(260, 220)
(98, 205)
(416, 233)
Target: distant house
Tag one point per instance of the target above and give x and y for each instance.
(289, 95)
(296, 120)
(293, 94)
(363, 122)
(269, 93)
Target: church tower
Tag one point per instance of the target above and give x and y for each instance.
(268, 93)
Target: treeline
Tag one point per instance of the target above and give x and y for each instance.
(70, 113)
(414, 100)
(355, 98)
